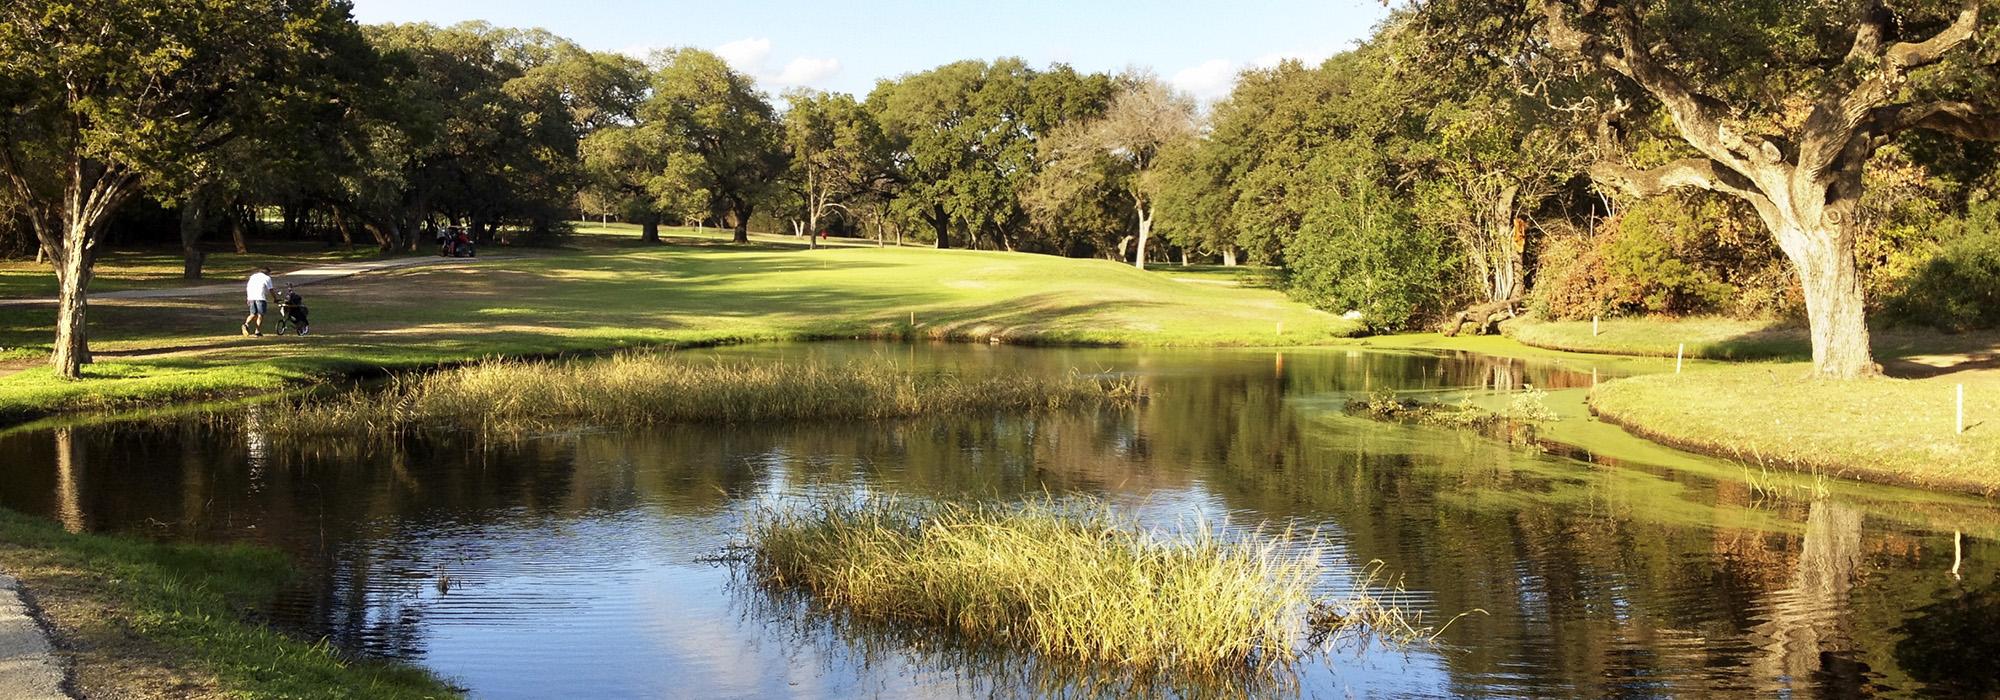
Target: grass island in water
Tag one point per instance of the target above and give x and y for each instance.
(1073, 582)
(645, 388)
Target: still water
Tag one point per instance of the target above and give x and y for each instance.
(581, 564)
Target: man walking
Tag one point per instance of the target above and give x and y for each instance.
(259, 290)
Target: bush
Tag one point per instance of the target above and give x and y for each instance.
(1359, 249)
(1959, 288)
(1668, 255)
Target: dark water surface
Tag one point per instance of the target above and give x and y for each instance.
(578, 565)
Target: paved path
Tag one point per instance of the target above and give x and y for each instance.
(310, 275)
(28, 671)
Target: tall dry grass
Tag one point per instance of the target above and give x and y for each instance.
(1070, 582)
(650, 388)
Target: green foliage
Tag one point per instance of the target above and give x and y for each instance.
(1358, 248)
(716, 134)
(1958, 289)
(967, 136)
(838, 154)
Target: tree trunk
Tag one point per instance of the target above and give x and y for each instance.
(1145, 231)
(943, 226)
(742, 216)
(1835, 305)
(649, 230)
(237, 215)
(193, 219)
(73, 269)
(340, 224)
(1229, 256)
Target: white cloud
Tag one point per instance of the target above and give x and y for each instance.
(806, 71)
(747, 55)
(754, 56)
(1210, 80)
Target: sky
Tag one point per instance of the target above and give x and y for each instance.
(1197, 45)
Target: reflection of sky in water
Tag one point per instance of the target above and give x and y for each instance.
(576, 565)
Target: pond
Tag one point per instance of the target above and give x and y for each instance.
(582, 564)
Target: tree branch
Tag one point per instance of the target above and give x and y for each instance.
(1687, 173)
(1870, 21)
(1905, 56)
(1698, 117)
(1958, 119)
(1842, 117)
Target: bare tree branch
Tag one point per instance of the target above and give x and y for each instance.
(1687, 173)
(1907, 55)
(1958, 119)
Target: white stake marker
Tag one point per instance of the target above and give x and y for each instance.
(1958, 422)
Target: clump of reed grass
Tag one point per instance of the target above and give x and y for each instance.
(1527, 406)
(1071, 582)
(652, 388)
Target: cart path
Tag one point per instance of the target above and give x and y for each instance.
(28, 668)
(310, 275)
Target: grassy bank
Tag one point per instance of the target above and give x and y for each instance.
(1069, 583)
(1885, 430)
(138, 619)
(649, 388)
(1902, 349)
(610, 292)
(1709, 338)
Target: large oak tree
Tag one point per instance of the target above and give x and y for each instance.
(1780, 104)
(101, 97)
(718, 134)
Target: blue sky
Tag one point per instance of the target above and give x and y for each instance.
(847, 46)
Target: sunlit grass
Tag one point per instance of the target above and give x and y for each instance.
(643, 388)
(1073, 582)
(186, 605)
(611, 293)
(1887, 430)
(1702, 337)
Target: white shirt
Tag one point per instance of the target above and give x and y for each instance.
(260, 287)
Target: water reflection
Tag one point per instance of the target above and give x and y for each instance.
(573, 564)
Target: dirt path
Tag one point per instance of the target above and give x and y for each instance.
(306, 276)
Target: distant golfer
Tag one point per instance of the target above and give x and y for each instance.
(260, 289)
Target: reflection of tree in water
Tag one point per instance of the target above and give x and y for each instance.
(1598, 581)
(1808, 633)
(1953, 645)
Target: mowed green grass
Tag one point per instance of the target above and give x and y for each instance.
(1718, 338)
(612, 292)
(1887, 430)
(1712, 338)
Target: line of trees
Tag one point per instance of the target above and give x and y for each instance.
(1574, 156)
